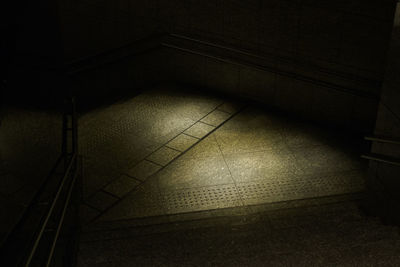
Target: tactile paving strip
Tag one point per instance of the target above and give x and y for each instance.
(173, 208)
(281, 189)
(299, 188)
(340, 183)
(268, 192)
(204, 198)
(91, 138)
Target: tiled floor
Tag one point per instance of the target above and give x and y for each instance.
(216, 183)
(29, 146)
(184, 152)
(321, 235)
(194, 173)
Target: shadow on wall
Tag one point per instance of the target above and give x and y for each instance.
(384, 182)
(33, 69)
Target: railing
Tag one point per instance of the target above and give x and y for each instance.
(36, 237)
(382, 201)
(265, 62)
(379, 157)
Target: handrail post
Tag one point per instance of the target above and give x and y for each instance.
(64, 145)
(74, 125)
(28, 251)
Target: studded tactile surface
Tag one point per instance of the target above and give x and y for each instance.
(304, 186)
(249, 160)
(118, 137)
(205, 198)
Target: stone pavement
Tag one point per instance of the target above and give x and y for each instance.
(170, 152)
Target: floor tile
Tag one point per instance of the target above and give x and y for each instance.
(204, 198)
(87, 214)
(242, 140)
(101, 201)
(199, 130)
(230, 107)
(208, 147)
(182, 142)
(189, 104)
(264, 165)
(253, 118)
(326, 159)
(10, 213)
(303, 135)
(342, 182)
(143, 170)
(121, 186)
(144, 201)
(250, 131)
(271, 158)
(163, 156)
(9, 184)
(197, 108)
(276, 189)
(189, 172)
(164, 127)
(216, 117)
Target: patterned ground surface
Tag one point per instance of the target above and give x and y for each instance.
(168, 152)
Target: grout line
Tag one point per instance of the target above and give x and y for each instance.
(183, 152)
(148, 155)
(212, 131)
(137, 179)
(234, 182)
(193, 136)
(108, 193)
(91, 206)
(190, 135)
(204, 123)
(172, 149)
(133, 178)
(210, 124)
(146, 159)
(224, 111)
(165, 144)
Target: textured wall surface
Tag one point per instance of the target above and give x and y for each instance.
(90, 27)
(348, 33)
(385, 177)
(351, 34)
(325, 59)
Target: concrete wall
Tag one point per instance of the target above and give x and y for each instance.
(350, 33)
(342, 102)
(125, 77)
(324, 59)
(31, 50)
(90, 27)
(384, 178)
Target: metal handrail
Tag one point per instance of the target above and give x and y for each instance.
(282, 58)
(70, 159)
(383, 139)
(60, 223)
(51, 210)
(382, 158)
(261, 65)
